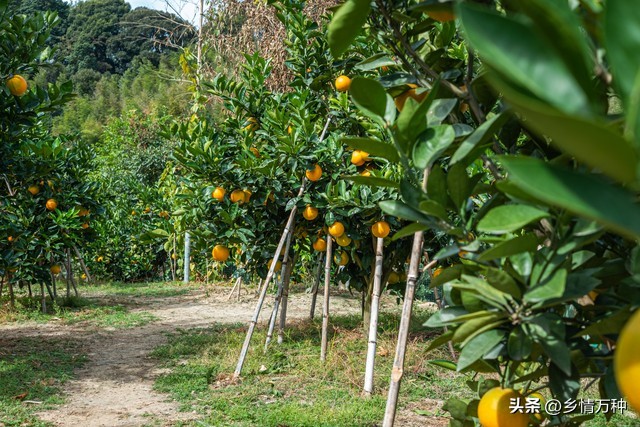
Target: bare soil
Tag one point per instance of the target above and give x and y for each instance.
(115, 387)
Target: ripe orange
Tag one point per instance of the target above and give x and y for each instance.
(253, 124)
(289, 130)
(163, 214)
(441, 15)
(336, 229)
(437, 272)
(343, 83)
(366, 172)
(83, 211)
(343, 240)
(341, 258)
(310, 213)
(147, 209)
(84, 276)
(220, 253)
(55, 269)
(52, 205)
(174, 256)
(33, 189)
(538, 416)
(218, 193)
(85, 225)
(100, 259)
(626, 361)
(238, 196)
(320, 245)
(358, 157)
(278, 265)
(380, 229)
(314, 174)
(393, 278)
(17, 85)
(133, 213)
(247, 195)
(493, 409)
(401, 99)
(10, 239)
(255, 151)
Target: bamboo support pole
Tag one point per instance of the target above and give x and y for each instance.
(316, 285)
(82, 263)
(263, 293)
(285, 298)
(325, 307)
(276, 303)
(373, 323)
(234, 287)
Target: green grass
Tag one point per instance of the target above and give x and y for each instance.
(290, 386)
(37, 367)
(151, 289)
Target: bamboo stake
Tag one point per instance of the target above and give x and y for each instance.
(234, 288)
(373, 323)
(82, 263)
(405, 320)
(276, 304)
(263, 293)
(239, 287)
(285, 298)
(325, 307)
(316, 285)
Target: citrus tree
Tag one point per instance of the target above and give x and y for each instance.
(523, 159)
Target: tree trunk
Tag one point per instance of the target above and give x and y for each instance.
(43, 302)
(373, 326)
(82, 263)
(316, 285)
(12, 297)
(325, 307)
(285, 298)
(187, 257)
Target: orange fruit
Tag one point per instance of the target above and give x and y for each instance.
(314, 174)
(289, 130)
(393, 278)
(336, 229)
(33, 189)
(437, 272)
(343, 240)
(238, 196)
(82, 211)
(220, 253)
(147, 209)
(494, 411)
(380, 229)
(84, 276)
(341, 258)
(539, 416)
(343, 83)
(401, 99)
(85, 225)
(163, 214)
(626, 361)
(320, 245)
(51, 205)
(55, 269)
(253, 124)
(278, 265)
(365, 172)
(174, 256)
(255, 151)
(218, 193)
(100, 259)
(247, 195)
(10, 239)
(358, 157)
(441, 15)
(310, 213)
(17, 85)
(133, 213)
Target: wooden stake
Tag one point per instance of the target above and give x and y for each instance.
(82, 263)
(285, 298)
(276, 303)
(316, 285)
(263, 293)
(234, 287)
(325, 307)
(373, 323)
(44, 299)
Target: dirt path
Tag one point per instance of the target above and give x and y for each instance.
(115, 386)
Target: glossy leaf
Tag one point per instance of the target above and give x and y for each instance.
(374, 147)
(370, 97)
(431, 144)
(478, 347)
(509, 218)
(525, 243)
(372, 181)
(346, 24)
(482, 134)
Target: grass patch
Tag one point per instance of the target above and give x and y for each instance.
(73, 310)
(34, 370)
(289, 386)
(143, 289)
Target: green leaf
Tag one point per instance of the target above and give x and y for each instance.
(439, 110)
(513, 48)
(431, 144)
(369, 96)
(346, 24)
(447, 364)
(587, 139)
(439, 340)
(525, 243)
(437, 186)
(582, 194)
(482, 134)
(509, 218)
(552, 287)
(612, 324)
(564, 385)
(478, 347)
(373, 147)
(376, 61)
(373, 181)
(474, 326)
(502, 281)
(402, 210)
(519, 344)
(433, 208)
(409, 230)
(622, 41)
(459, 184)
(548, 330)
